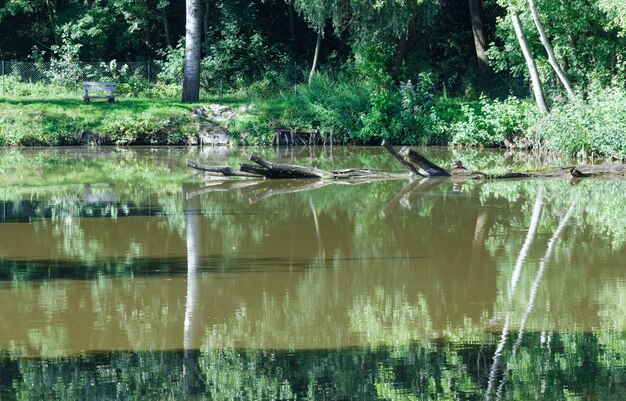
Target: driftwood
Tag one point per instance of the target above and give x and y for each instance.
(413, 162)
(224, 171)
(267, 169)
(607, 170)
(426, 167)
(411, 168)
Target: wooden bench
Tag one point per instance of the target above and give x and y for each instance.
(99, 87)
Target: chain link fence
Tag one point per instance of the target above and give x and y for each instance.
(65, 79)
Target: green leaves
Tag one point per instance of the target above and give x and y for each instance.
(490, 121)
(596, 126)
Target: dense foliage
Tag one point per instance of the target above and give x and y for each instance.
(401, 70)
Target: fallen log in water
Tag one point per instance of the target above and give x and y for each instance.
(270, 170)
(223, 171)
(413, 162)
(606, 170)
(425, 166)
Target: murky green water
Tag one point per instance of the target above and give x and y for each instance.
(123, 277)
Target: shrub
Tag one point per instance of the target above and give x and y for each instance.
(127, 128)
(596, 126)
(21, 131)
(489, 122)
(251, 132)
(331, 104)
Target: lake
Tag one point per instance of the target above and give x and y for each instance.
(125, 275)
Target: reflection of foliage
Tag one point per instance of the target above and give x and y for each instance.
(549, 366)
(231, 374)
(325, 268)
(389, 318)
(599, 204)
(26, 167)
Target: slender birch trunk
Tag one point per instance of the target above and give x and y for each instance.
(530, 62)
(318, 45)
(546, 44)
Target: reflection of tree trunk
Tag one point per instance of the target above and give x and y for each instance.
(546, 44)
(476, 277)
(542, 268)
(190, 342)
(192, 227)
(535, 288)
(534, 223)
(530, 62)
(318, 45)
(497, 364)
(317, 229)
(480, 40)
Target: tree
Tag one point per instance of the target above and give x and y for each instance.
(480, 38)
(616, 11)
(546, 44)
(316, 56)
(191, 78)
(530, 61)
(163, 5)
(316, 13)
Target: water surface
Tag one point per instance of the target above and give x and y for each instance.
(126, 276)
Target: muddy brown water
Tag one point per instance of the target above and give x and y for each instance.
(389, 289)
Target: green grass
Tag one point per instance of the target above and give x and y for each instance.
(69, 121)
(128, 121)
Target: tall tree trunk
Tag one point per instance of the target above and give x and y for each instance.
(318, 44)
(401, 53)
(530, 62)
(572, 41)
(403, 46)
(191, 80)
(147, 35)
(205, 21)
(292, 27)
(166, 27)
(613, 63)
(51, 8)
(480, 38)
(546, 44)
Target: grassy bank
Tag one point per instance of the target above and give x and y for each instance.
(27, 122)
(354, 113)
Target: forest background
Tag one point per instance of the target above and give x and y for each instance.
(419, 72)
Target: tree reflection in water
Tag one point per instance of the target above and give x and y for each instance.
(388, 290)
